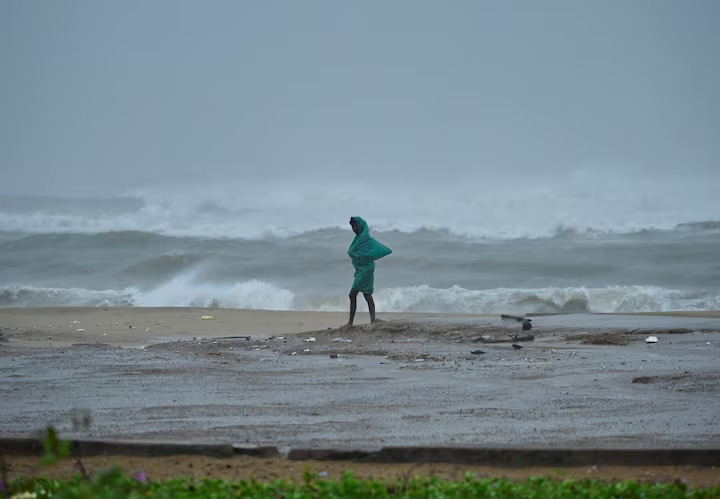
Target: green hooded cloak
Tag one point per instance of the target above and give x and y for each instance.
(363, 251)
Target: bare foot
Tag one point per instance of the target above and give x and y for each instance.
(346, 326)
(376, 320)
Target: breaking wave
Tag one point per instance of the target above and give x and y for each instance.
(28, 296)
(545, 300)
(176, 293)
(253, 294)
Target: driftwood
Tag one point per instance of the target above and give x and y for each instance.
(526, 323)
(518, 318)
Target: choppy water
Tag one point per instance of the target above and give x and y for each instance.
(577, 250)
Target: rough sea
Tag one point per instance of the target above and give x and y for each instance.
(568, 245)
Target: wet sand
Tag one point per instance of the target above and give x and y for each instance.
(584, 381)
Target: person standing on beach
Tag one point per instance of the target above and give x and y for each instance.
(363, 252)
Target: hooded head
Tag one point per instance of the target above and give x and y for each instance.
(362, 233)
(364, 247)
(358, 225)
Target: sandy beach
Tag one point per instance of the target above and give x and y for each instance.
(135, 327)
(293, 380)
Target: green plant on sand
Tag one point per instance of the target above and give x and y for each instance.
(114, 483)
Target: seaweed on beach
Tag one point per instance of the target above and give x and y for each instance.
(684, 382)
(614, 338)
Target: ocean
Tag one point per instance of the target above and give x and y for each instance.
(570, 245)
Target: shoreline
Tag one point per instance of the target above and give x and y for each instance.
(138, 326)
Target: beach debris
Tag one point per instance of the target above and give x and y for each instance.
(491, 339)
(323, 473)
(76, 322)
(516, 346)
(334, 356)
(477, 352)
(310, 340)
(206, 317)
(294, 353)
(81, 330)
(420, 360)
(526, 323)
(651, 339)
(341, 340)
(307, 350)
(147, 329)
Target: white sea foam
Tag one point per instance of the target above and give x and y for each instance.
(247, 295)
(544, 300)
(29, 296)
(479, 208)
(184, 291)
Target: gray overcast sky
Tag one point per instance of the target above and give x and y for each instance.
(109, 95)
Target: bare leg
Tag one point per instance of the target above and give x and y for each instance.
(353, 307)
(371, 305)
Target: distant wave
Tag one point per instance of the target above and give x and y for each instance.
(43, 224)
(254, 294)
(162, 266)
(707, 226)
(563, 207)
(85, 240)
